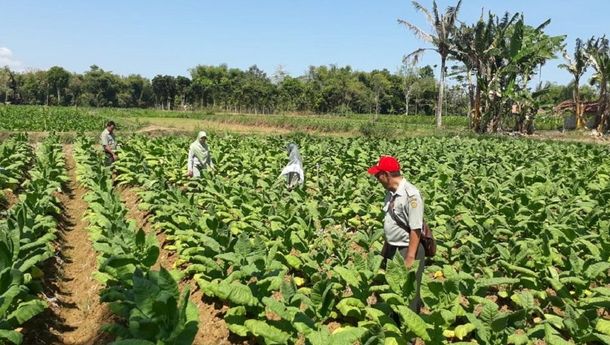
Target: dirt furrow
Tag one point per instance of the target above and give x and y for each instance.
(76, 315)
(8, 199)
(212, 327)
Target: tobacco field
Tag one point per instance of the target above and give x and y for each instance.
(523, 229)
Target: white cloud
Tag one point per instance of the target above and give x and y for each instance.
(8, 59)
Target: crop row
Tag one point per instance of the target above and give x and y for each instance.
(16, 156)
(27, 238)
(148, 302)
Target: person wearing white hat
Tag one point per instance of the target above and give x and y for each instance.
(199, 156)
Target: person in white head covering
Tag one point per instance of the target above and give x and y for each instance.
(199, 156)
(293, 171)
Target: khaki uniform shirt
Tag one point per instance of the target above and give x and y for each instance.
(408, 208)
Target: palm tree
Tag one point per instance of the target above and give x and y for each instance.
(598, 53)
(577, 66)
(444, 26)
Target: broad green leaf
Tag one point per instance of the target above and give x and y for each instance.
(603, 326)
(518, 339)
(462, 331)
(12, 336)
(350, 276)
(271, 334)
(27, 310)
(347, 335)
(413, 322)
(351, 307)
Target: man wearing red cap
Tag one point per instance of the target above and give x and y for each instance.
(404, 218)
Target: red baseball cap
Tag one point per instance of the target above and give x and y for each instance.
(386, 164)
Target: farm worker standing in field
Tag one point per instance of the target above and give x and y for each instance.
(199, 156)
(109, 143)
(404, 219)
(293, 171)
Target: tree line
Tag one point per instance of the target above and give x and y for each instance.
(322, 90)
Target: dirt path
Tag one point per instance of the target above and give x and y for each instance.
(212, 327)
(75, 315)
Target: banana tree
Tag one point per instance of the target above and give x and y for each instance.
(503, 53)
(598, 53)
(577, 66)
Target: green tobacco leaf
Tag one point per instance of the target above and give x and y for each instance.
(321, 337)
(597, 269)
(235, 319)
(602, 290)
(485, 282)
(554, 320)
(27, 310)
(279, 308)
(303, 323)
(524, 299)
(347, 335)
(413, 321)
(237, 293)
(518, 339)
(322, 298)
(397, 274)
(392, 338)
(503, 320)
(271, 334)
(351, 307)
(552, 338)
(462, 331)
(594, 337)
(288, 289)
(293, 261)
(599, 302)
(12, 336)
(603, 326)
(152, 254)
(467, 219)
(392, 299)
(350, 276)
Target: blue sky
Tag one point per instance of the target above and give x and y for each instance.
(169, 37)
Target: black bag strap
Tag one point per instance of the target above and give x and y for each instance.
(395, 218)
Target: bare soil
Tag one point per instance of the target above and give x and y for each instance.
(76, 315)
(568, 136)
(10, 199)
(130, 198)
(193, 125)
(165, 126)
(212, 327)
